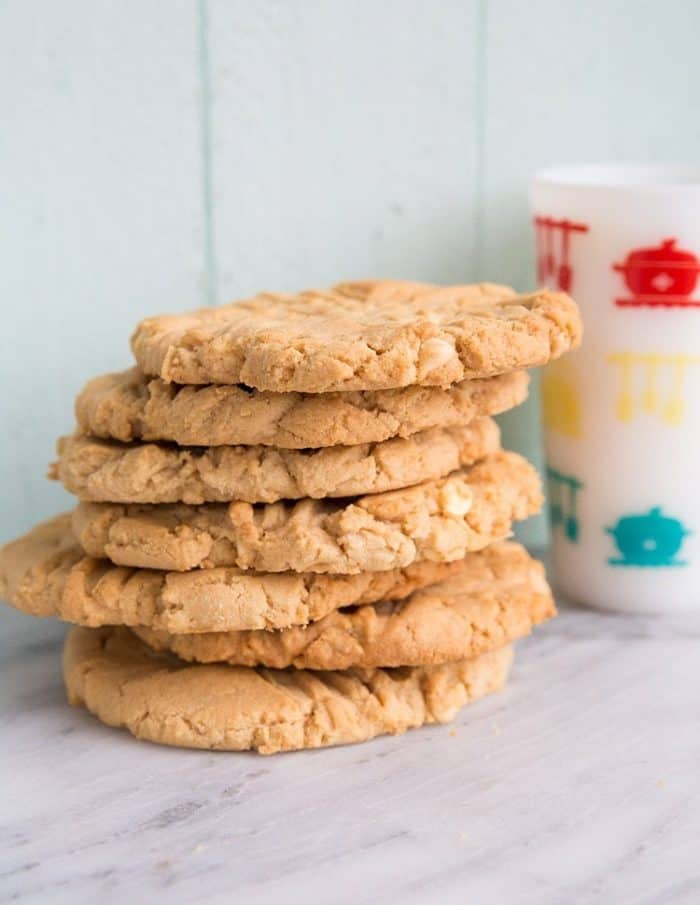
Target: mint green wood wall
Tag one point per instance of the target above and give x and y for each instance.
(165, 155)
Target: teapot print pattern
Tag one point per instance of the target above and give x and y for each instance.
(661, 277)
(650, 540)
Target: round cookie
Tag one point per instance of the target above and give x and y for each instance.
(128, 406)
(499, 597)
(367, 335)
(438, 521)
(159, 698)
(46, 573)
(107, 471)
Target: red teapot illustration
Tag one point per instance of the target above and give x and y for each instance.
(663, 276)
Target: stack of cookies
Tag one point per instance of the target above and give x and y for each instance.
(292, 518)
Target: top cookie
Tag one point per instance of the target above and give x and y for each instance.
(366, 335)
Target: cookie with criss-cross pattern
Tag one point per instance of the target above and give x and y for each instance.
(499, 595)
(46, 573)
(107, 471)
(438, 521)
(161, 698)
(128, 406)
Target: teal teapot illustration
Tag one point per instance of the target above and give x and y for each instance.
(651, 539)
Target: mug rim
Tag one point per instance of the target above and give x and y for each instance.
(622, 177)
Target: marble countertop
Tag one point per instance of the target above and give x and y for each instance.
(579, 783)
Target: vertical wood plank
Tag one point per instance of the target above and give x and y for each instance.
(101, 218)
(566, 83)
(343, 140)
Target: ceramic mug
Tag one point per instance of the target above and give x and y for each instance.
(622, 414)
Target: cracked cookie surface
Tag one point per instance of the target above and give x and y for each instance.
(162, 699)
(46, 573)
(363, 335)
(127, 406)
(108, 471)
(498, 597)
(438, 521)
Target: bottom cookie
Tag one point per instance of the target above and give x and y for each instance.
(236, 708)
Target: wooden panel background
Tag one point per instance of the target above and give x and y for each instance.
(160, 156)
(102, 217)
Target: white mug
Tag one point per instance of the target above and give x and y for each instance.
(622, 414)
